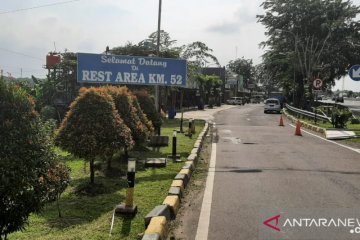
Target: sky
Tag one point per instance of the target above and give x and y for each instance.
(229, 27)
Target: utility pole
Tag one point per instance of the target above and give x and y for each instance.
(157, 104)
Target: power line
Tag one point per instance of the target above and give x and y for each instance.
(22, 54)
(40, 6)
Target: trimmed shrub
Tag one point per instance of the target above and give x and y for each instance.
(93, 127)
(142, 116)
(26, 156)
(148, 107)
(124, 104)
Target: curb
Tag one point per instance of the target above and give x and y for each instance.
(157, 221)
(304, 124)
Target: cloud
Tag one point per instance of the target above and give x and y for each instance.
(226, 27)
(242, 16)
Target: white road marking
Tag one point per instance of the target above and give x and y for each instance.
(226, 131)
(248, 119)
(204, 220)
(341, 145)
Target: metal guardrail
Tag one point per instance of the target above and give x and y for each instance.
(311, 115)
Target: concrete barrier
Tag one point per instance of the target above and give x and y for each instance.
(174, 204)
(186, 172)
(179, 184)
(195, 150)
(158, 226)
(192, 157)
(160, 210)
(157, 220)
(175, 191)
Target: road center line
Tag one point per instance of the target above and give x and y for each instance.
(341, 145)
(204, 220)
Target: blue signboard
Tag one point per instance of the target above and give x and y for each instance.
(354, 72)
(115, 69)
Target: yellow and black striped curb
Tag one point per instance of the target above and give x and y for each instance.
(303, 123)
(157, 221)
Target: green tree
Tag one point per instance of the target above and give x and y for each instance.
(208, 85)
(148, 47)
(60, 87)
(93, 127)
(147, 105)
(244, 67)
(198, 55)
(25, 158)
(142, 116)
(317, 37)
(124, 105)
(57, 180)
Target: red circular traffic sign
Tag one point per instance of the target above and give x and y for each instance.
(317, 83)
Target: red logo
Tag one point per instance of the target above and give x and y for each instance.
(267, 223)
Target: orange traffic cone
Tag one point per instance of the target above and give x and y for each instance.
(281, 121)
(297, 129)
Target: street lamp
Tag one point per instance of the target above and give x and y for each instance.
(129, 208)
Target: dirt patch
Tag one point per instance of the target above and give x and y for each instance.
(185, 225)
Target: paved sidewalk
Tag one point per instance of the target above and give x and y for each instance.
(206, 114)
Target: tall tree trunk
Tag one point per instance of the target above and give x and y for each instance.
(58, 205)
(92, 171)
(108, 161)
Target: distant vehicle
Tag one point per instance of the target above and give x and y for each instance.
(272, 105)
(319, 98)
(339, 99)
(236, 101)
(256, 99)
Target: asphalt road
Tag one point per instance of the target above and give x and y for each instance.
(261, 166)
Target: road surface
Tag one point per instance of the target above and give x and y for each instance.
(262, 166)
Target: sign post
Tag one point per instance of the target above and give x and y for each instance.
(317, 84)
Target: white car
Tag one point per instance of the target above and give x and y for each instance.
(272, 105)
(236, 101)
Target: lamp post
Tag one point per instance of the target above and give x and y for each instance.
(129, 208)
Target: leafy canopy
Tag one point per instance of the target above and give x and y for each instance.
(26, 156)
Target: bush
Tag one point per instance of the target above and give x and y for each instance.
(47, 113)
(58, 178)
(93, 127)
(124, 104)
(339, 118)
(148, 107)
(142, 116)
(26, 156)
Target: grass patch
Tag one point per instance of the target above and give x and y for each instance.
(89, 216)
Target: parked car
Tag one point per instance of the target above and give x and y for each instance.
(339, 99)
(255, 100)
(236, 101)
(272, 105)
